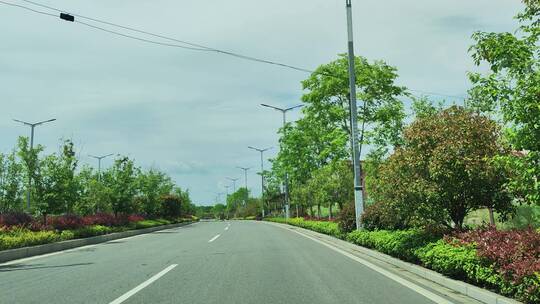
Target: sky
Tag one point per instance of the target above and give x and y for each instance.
(192, 114)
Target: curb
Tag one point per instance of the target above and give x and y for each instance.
(26, 252)
(477, 293)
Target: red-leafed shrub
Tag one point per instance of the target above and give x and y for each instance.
(515, 253)
(66, 222)
(104, 219)
(15, 219)
(135, 218)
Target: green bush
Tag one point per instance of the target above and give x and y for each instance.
(346, 218)
(93, 230)
(151, 223)
(18, 238)
(401, 243)
(329, 228)
(171, 206)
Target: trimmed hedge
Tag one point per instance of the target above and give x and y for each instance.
(400, 243)
(329, 228)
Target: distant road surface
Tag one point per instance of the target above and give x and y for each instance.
(209, 262)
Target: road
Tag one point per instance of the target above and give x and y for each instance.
(208, 262)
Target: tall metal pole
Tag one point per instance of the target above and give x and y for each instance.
(358, 197)
(286, 184)
(262, 175)
(32, 127)
(245, 183)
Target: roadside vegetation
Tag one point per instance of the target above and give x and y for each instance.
(452, 186)
(68, 201)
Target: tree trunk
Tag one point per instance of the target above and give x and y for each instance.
(330, 212)
(311, 213)
(318, 211)
(491, 217)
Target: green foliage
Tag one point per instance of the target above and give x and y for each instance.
(23, 238)
(444, 170)
(152, 223)
(171, 206)
(121, 180)
(346, 218)
(57, 186)
(511, 89)
(329, 228)
(152, 185)
(401, 243)
(11, 180)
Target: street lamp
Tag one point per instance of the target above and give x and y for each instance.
(262, 176)
(286, 184)
(245, 175)
(234, 183)
(99, 158)
(245, 182)
(32, 126)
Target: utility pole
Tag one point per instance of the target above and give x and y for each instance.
(32, 127)
(286, 184)
(262, 175)
(245, 183)
(99, 158)
(358, 197)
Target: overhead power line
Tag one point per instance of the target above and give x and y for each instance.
(186, 44)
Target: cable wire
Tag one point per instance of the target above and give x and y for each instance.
(192, 46)
(27, 8)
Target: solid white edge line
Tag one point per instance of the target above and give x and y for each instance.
(144, 284)
(214, 238)
(426, 293)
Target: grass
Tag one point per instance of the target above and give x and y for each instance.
(525, 216)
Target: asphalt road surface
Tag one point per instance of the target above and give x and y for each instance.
(208, 262)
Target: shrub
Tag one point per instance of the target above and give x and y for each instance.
(401, 244)
(135, 218)
(515, 253)
(380, 216)
(15, 219)
(346, 218)
(151, 223)
(325, 227)
(66, 222)
(104, 219)
(171, 206)
(22, 238)
(462, 261)
(90, 231)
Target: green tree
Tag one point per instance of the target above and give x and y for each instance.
(444, 170)
(30, 161)
(11, 183)
(512, 88)
(121, 179)
(152, 185)
(96, 196)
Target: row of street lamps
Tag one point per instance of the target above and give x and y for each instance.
(261, 151)
(32, 127)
